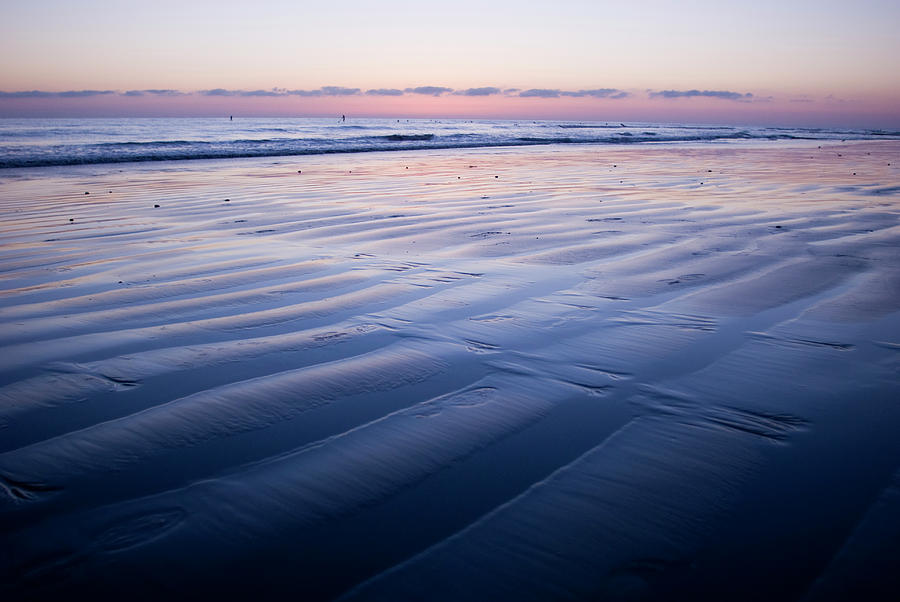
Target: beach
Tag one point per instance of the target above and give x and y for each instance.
(617, 372)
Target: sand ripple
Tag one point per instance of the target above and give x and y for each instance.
(531, 373)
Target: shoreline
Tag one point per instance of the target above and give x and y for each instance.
(207, 162)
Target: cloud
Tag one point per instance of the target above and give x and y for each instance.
(261, 93)
(218, 92)
(339, 91)
(84, 93)
(165, 92)
(28, 94)
(485, 91)
(66, 94)
(724, 94)
(223, 92)
(430, 90)
(323, 91)
(607, 93)
(342, 91)
(540, 93)
(153, 92)
(597, 93)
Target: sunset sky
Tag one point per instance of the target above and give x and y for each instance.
(800, 62)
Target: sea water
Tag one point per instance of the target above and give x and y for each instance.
(44, 142)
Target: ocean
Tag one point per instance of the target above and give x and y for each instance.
(48, 142)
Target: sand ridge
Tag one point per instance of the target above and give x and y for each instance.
(562, 372)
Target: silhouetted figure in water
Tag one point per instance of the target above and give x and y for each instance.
(343, 118)
(231, 118)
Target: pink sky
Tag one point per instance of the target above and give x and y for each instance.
(805, 62)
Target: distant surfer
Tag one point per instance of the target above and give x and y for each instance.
(343, 118)
(231, 118)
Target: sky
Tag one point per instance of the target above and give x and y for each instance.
(791, 62)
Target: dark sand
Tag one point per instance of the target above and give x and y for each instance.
(600, 373)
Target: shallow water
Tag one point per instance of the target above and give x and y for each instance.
(516, 373)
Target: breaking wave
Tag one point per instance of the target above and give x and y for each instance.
(57, 142)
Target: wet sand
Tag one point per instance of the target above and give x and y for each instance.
(601, 372)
